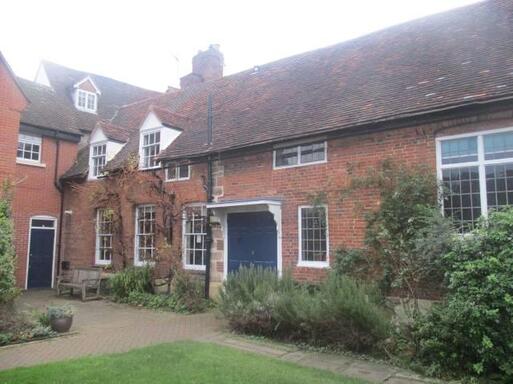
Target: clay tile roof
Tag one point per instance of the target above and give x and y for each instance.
(114, 93)
(48, 110)
(457, 58)
(114, 132)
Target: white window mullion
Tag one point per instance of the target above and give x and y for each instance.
(482, 176)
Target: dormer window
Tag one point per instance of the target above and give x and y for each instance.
(150, 149)
(86, 95)
(99, 158)
(86, 101)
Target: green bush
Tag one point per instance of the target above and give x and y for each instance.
(339, 312)
(471, 333)
(189, 293)
(131, 279)
(8, 290)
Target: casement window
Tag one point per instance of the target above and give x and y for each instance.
(98, 158)
(29, 148)
(144, 234)
(194, 234)
(476, 171)
(177, 173)
(104, 219)
(313, 236)
(150, 149)
(86, 101)
(298, 155)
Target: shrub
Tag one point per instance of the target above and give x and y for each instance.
(8, 290)
(248, 299)
(131, 279)
(189, 293)
(339, 312)
(471, 333)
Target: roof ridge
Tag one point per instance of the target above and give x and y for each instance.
(87, 73)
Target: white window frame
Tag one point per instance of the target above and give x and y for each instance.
(306, 263)
(85, 107)
(138, 262)
(142, 146)
(93, 157)
(186, 265)
(98, 260)
(481, 163)
(177, 173)
(298, 152)
(32, 140)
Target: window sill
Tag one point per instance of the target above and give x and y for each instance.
(102, 262)
(195, 267)
(175, 180)
(30, 163)
(278, 167)
(313, 264)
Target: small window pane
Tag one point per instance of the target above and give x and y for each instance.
(498, 145)
(184, 172)
(171, 173)
(312, 152)
(286, 156)
(43, 223)
(459, 150)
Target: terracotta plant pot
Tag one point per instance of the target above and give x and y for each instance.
(61, 324)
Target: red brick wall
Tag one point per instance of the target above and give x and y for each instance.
(252, 176)
(36, 194)
(79, 227)
(12, 102)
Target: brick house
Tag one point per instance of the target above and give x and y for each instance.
(65, 104)
(242, 155)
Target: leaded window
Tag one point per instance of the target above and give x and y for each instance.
(300, 155)
(313, 235)
(477, 175)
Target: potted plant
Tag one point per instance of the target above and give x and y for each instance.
(60, 317)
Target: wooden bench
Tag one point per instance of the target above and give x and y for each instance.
(84, 279)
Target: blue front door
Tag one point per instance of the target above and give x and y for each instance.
(251, 240)
(40, 257)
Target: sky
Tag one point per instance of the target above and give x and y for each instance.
(150, 43)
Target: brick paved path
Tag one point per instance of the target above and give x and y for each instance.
(103, 327)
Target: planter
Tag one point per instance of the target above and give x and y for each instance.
(61, 324)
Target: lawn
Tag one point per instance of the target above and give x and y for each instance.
(183, 362)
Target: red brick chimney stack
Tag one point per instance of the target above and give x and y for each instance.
(206, 66)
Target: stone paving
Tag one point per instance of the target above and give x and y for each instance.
(102, 327)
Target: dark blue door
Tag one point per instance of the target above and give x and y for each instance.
(40, 258)
(251, 240)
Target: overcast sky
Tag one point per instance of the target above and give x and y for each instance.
(150, 42)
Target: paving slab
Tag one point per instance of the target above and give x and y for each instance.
(375, 373)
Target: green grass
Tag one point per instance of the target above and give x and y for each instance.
(183, 362)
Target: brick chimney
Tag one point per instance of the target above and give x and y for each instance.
(206, 65)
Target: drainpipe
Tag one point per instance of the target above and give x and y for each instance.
(208, 239)
(61, 194)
